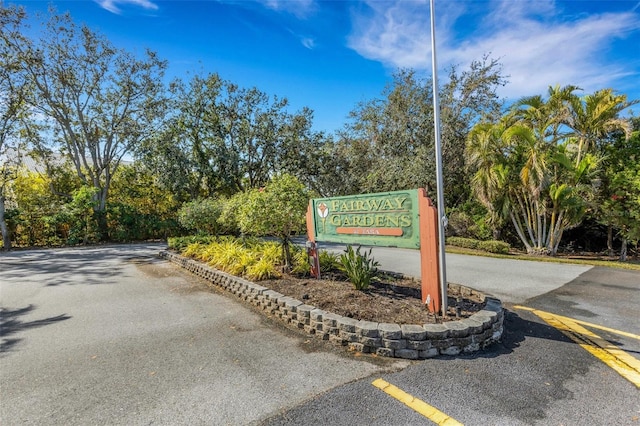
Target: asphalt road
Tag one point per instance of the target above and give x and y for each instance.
(113, 335)
(534, 376)
(510, 280)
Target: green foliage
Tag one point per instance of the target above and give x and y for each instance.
(138, 208)
(389, 144)
(81, 214)
(620, 203)
(40, 217)
(536, 166)
(490, 246)
(222, 139)
(181, 243)
(493, 246)
(201, 216)
(262, 270)
(463, 242)
(328, 261)
(228, 219)
(277, 210)
(469, 220)
(97, 100)
(360, 268)
(254, 259)
(300, 259)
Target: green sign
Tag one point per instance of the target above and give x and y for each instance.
(384, 219)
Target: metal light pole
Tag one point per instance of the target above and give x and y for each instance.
(439, 182)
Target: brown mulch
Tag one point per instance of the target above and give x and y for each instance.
(389, 299)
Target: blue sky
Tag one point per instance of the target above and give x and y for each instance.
(330, 55)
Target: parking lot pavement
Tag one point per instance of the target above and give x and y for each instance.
(113, 335)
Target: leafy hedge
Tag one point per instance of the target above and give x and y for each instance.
(247, 257)
(491, 246)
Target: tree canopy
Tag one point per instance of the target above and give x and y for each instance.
(526, 173)
(97, 101)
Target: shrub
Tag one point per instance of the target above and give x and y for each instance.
(262, 270)
(360, 268)
(469, 243)
(493, 246)
(201, 216)
(300, 259)
(179, 244)
(193, 250)
(270, 250)
(328, 261)
(228, 219)
(278, 210)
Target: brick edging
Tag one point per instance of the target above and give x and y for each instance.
(385, 339)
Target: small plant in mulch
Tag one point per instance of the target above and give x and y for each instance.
(360, 268)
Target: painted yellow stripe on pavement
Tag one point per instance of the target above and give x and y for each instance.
(623, 363)
(432, 413)
(588, 324)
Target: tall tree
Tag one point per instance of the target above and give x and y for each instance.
(102, 101)
(619, 204)
(188, 152)
(594, 117)
(530, 167)
(488, 182)
(221, 138)
(390, 141)
(13, 108)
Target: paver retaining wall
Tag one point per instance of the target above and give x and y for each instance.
(391, 340)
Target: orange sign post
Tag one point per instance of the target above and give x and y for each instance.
(393, 219)
(431, 288)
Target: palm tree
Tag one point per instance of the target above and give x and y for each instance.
(485, 157)
(523, 170)
(593, 117)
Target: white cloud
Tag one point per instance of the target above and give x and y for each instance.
(308, 42)
(535, 47)
(112, 5)
(298, 8)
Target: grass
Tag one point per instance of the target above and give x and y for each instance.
(633, 265)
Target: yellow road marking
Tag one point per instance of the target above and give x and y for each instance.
(432, 413)
(623, 363)
(588, 324)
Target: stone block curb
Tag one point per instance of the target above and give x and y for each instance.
(407, 341)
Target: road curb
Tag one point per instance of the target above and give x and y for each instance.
(384, 339)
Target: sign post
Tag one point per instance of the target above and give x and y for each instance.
(404, 219)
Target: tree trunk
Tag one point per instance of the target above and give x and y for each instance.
(6, 239)
(103, 228)
(610, 240)
(286, 252)
(100, 212)
(623, 250)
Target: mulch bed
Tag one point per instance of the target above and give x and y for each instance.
(389, 299)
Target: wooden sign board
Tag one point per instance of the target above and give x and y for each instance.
(405, 219)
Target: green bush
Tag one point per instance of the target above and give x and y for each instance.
(360, 268)
(300, 259)
(251, 258)
(328, 261)
(228, 219)
(469, 243)
(491, 246)
(179, 244)
(201, 216)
